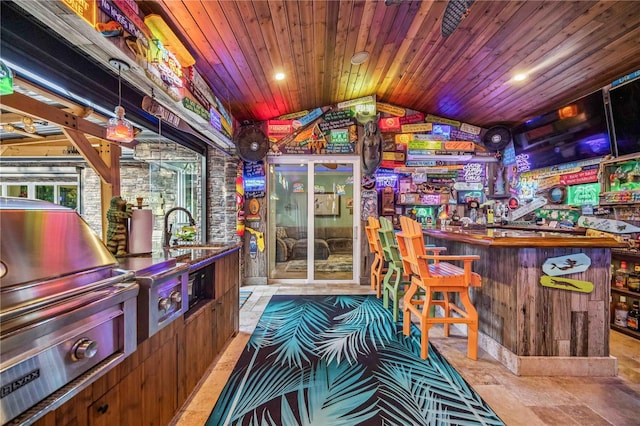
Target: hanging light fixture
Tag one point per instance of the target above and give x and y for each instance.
(118, 128)
(28, 125)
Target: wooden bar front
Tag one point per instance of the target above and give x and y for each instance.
(536, 330)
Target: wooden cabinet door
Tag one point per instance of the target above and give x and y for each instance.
(106, 410)
(198, 346)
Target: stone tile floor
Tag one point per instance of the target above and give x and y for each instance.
(517, 400)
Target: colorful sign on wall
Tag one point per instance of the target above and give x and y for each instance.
(86, 9)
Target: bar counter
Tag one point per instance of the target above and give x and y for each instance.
(532, 329)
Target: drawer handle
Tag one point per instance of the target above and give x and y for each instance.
(103, 408)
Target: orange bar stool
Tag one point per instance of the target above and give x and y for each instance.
(378, 265)
(439, 276)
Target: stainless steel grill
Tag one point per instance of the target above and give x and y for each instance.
(68, 314)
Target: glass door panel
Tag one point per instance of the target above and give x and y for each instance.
(333, 221)
(288, 186)
(313, 222)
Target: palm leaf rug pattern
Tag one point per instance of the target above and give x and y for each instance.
(341, 360)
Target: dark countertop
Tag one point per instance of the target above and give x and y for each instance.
(192, 257)
(496, 237)
(201, 255)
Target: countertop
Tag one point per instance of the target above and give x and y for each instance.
(191, 257)
(496, 237)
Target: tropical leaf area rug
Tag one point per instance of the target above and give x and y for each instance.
(341, 360)
(244, 296)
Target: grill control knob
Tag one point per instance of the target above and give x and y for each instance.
(83, 349)
(164, 304)
(176, 297)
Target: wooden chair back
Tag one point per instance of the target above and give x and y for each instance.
(388, 242)
(372, 236)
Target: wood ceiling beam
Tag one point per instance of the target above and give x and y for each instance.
(92, 156)
(10, 118)
(19, 103)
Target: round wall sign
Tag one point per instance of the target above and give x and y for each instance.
(513, 203)
(254, 206)
(557, 194)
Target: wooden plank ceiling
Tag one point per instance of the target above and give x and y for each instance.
(568, 49)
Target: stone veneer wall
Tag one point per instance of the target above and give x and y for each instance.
(134, 181)
(221, 196)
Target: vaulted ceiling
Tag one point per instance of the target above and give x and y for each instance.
(567, 48)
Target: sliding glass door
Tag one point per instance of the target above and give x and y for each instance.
(313, 219)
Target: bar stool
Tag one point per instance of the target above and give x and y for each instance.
(441, 277)
(389, 245)
(396, 281)
(377, 266)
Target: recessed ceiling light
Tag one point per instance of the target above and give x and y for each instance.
(520, 77)
(359, 58)
(280, 76)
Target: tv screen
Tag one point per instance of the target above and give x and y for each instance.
(577, 131)
(625, 114)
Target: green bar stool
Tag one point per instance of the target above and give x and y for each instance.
(395, 278)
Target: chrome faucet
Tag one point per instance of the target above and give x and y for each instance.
(167, 229)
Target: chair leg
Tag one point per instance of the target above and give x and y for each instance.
(447, 313)
(396, 295)
(472, 326)
(376, 272)
(386, 288)
(379, 267)
(425, 325)
(406, 320)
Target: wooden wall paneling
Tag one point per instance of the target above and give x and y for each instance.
(318, 38)
(193, 24)
(244, 22)
(284, 56)
(399, 62)
(444, 53)
(546, 52)
(312, 98)
(563, 60)
(297, 77)
(329, 42)
(344, 44)
(372, 41)
(497, 72)
(579, 333)
(495, 51)
(598, 318)
(224, 18)
(270, 57)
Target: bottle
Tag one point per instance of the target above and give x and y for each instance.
(621, 275)
(633, 317)
(490, 218)
(621, 312)
(633, 280)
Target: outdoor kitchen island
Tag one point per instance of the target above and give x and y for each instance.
(151, 384)
(530, 328)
